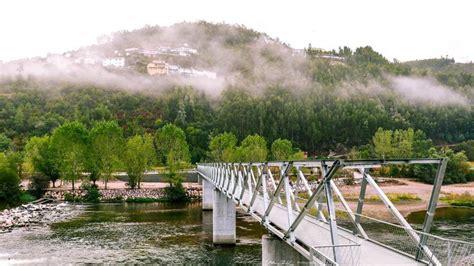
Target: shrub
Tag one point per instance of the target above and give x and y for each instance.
(9, 186)
(92, 192)
(38, 184)
(71, 197)
(176, 194)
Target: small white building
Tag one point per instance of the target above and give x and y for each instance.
(86, 61)
(130, 51)
(114, 62)
(150, 53)
(204, 73)
(298, 52)
(173, 69)
(188, 72)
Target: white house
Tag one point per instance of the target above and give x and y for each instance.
(173, 69)
(86, 61)
(113, 62)
(204, 73)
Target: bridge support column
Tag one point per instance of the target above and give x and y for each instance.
(277, 252)
(207, 195)
(223, 219)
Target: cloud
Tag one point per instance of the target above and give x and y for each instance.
(426, 91)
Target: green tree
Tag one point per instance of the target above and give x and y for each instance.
(222, 147)
(171, 144)
(457, 170)
(9, 182)
(383, 143)
(253, 149)
(16, 160)
(71, 142)
(4, 142)
(138, 157)
(107, 143)
(42, 157)
(402, 143)
(282, 149)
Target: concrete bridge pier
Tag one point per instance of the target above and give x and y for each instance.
(277, 252)
(207, 195)
(223, 219)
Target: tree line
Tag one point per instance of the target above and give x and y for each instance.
(394, 144)
(317, 121)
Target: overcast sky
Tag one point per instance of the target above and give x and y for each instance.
(400, 29)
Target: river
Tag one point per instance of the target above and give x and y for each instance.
(147, 233)
(133, 233)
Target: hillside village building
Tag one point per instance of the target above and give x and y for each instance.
(87, 61)
(114, 62)
(157, 68)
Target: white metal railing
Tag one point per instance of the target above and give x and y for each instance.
(280, 182)
(447, 251)
(349, 254)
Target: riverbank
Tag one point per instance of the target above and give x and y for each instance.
(36, 214)
(405, 186)
(419, 192)
(121, 194)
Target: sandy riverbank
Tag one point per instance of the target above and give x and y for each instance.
(423, 191)
(115, 184)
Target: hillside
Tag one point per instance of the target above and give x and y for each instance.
(210, 78)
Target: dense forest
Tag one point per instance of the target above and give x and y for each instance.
(322, 101)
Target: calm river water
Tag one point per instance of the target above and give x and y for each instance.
(147, 233)
(133, 233)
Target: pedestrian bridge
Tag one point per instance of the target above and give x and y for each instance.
(300, 204)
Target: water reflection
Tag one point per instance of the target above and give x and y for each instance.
(451, 222)
(134, 233)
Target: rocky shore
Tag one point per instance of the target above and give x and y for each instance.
(121, 194)
(36, 214)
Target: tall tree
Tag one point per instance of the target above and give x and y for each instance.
(173, 150)
(282, 149)
(222, 147)
(138, 157)
(9, 182)
(107, 142)
(4, 142)
(253, 149)
(39, 153)
(383, 143)
(70, 142)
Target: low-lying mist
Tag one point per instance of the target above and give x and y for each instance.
(241, 58)
(426, 91)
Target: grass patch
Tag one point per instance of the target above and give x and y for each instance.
(465, 199)
(397, 197)
(26, 197)
(145, 200)
(393, 197)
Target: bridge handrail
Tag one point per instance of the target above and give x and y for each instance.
(350, 254)
(234, 179)
(449, 251)
(401, 227)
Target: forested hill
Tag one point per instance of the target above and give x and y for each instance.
(320, 100)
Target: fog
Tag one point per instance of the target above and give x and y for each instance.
(426, 90)
(241, 58)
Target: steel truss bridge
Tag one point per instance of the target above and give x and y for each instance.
(317, 221)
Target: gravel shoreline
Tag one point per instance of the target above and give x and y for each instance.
(36, 214)
(122, 194)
